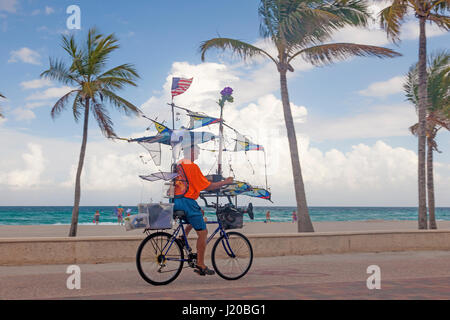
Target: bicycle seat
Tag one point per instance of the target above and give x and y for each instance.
(179, 214)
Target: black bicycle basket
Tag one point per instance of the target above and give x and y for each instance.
(230, 217)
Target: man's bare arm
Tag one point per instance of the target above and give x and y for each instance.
(219, 184)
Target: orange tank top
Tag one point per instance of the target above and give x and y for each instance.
(190, 180)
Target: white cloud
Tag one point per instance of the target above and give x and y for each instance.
(375, 122)
(23, 114)
(410, 30)
(373, 36)
(50, 93)
(253, 81)
(33, 105)
(36, 84)
(384, 88)
(8, 5)
(49, 10)
(111, 171)
(25, 55)
(30, 175)
(268, 113)
(376, 174)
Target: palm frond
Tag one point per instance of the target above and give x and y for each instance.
(439, 6)
(118, 77)
(351, 12)
(295, 24)
(411, 87)
(438, 80)
(435, 122)
(61, 103)
(414, 129)
(77, 105)
(438, 83)
(329, 53)
(242, 49)
(120, 103)
(76, 54)
(441, 21)
(126, 71)
(103, 119)
(58, 71)
(268, 25)
(99, 51)
(310, 26)
(392, 17)
(114, 83)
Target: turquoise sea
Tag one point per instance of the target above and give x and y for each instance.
(62, 215)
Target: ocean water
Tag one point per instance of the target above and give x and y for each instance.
(62, 215)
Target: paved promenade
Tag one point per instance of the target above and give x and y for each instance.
(404, 275)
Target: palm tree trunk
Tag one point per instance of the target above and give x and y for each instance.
(304, 221)
(76, 205)
(422, 214)
(430, 184)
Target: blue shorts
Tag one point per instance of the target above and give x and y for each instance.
(193, 212)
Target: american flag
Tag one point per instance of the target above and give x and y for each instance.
(180, 85)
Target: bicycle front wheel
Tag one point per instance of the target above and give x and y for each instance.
(232, 256)
(159, 260)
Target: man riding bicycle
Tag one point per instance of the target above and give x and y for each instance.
(188, 184)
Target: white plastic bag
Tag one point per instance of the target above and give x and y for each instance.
(136, 221)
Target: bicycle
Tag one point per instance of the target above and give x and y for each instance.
(160, 256)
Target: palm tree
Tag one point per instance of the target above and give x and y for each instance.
(1, 96)
(391, 19)
(299, 28)
(93, 88)
(438, 117)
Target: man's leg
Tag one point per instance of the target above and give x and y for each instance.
(187, 229)
(201, 247)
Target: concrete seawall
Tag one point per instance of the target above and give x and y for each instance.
(92, 250)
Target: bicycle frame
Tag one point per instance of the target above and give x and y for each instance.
(220, 229)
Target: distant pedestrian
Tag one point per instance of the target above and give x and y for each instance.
(267, 216)
(294, 216)
(120, 214)
(97, 217)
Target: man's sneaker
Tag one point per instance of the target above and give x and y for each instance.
(204, 271)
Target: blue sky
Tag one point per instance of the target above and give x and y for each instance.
(350, 114)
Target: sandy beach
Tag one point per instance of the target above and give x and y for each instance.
(20, 231)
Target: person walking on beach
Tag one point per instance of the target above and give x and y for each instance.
(120, 214)
(267, 216)
(188, 185)
(294, 216)
(97, 217)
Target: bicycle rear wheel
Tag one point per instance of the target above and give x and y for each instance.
(232, 256)
(159, 261)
